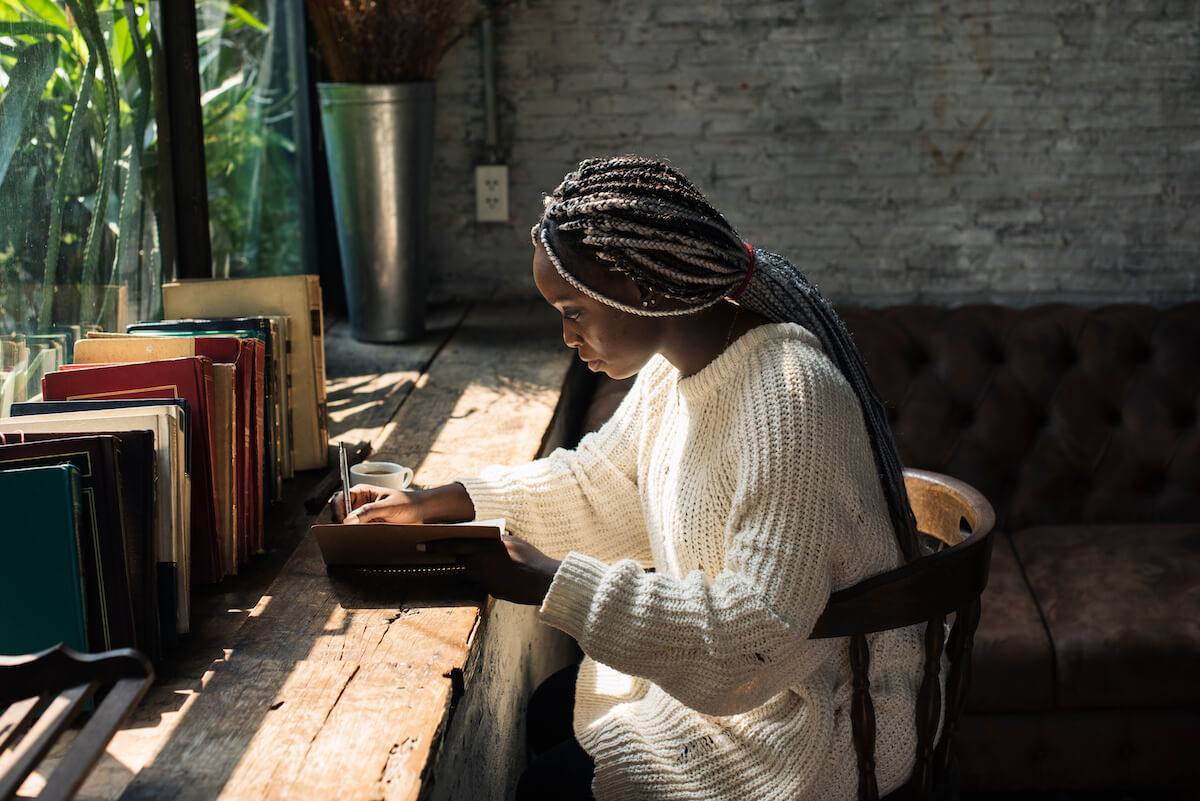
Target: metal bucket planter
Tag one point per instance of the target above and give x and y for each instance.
(379, 146)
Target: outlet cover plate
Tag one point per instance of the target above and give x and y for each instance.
(491, 193)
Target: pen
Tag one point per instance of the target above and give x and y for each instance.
(344, 466)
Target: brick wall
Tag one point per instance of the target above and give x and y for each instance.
(935, 150)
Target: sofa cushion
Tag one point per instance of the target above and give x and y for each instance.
(1012, 664)
(1092, 752)
(1122, 605)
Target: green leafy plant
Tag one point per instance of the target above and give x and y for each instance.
(74, 134)
(79, 154)
(248, 99)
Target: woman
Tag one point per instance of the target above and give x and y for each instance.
(750, 466)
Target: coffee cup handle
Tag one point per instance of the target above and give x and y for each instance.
(406, 477)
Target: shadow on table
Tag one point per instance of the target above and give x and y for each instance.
(365, 589)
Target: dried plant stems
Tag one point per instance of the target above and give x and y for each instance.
(385, 41)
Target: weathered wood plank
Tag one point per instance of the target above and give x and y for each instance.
(308, 615)
(367, 382)
(249, 718)
(488, 399)
(376, 740)
(334, 688)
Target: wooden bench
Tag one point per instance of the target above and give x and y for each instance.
(297, 685)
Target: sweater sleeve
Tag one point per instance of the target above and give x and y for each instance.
(729, 644)
(586, 498)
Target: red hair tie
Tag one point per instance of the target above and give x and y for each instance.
(749, 272)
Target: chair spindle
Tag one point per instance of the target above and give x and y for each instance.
(862, 717)
(962, 639)
(929, 709)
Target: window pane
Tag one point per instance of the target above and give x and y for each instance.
(250, 91)
(78, 230)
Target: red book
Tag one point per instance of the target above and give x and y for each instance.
(258, 443)
(189, 378)
(241, 354)
(247, 355)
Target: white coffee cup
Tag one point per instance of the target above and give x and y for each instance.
(388, 475)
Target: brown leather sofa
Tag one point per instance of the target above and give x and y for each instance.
(1081, 427)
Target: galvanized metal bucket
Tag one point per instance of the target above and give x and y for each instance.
(379, 146)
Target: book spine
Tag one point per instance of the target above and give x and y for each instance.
(212, 548)
(77, 518)
(318, 348)
(288, 422)
(291, 429)
(246, 464)
(272, 478)
(126, 613)
(260, 442)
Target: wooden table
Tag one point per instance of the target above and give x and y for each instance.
(296, 685)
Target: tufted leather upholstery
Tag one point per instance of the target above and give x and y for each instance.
(1057, 414)
(1081, 427)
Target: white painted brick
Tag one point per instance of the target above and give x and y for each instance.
(1089, 138)
(707, 13)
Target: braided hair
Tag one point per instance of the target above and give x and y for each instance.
(644, 219)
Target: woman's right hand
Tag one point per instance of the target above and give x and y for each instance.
(368, 504)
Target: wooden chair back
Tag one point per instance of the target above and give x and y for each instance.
(42, 694)
(947, 581)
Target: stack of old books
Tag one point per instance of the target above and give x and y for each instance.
(148, 461)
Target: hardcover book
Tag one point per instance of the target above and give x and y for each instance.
(225, 455)
(107, 590)
(41, 584)
(135, 466)
(245, 354)
(231, 417)
(122, 349)
(299, 298)
(277, 414)
(262, 333)
(171, 518)
(189, 378)
(26, 408)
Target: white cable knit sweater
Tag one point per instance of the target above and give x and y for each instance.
(751, 489)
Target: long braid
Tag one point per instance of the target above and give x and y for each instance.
(647, 221)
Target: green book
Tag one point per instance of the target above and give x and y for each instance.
(41, 579)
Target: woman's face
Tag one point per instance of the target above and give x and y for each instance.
(609, 340)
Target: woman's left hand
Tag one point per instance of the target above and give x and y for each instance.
(509, 568)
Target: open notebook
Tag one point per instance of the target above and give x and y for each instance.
(391, 547)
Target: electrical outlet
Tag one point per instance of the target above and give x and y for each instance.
(491, 193)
